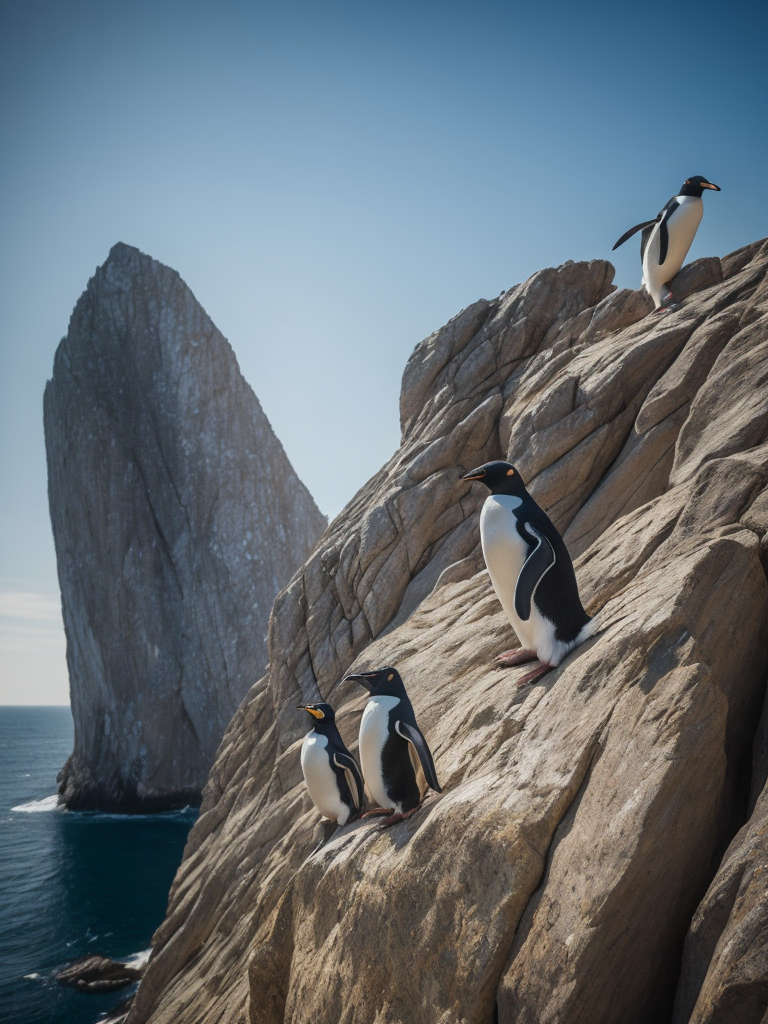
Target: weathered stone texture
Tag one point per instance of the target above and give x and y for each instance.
(595, 855)
(177, 518)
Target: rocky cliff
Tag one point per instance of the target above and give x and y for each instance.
(598, 852)
(177, 518)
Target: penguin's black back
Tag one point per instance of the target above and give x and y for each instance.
(344, 791)
(557, 595)
(336, 745)
(396, 768)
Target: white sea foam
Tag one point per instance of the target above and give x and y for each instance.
(138, 959)
(48, 803)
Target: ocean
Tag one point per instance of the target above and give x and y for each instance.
(70, 884)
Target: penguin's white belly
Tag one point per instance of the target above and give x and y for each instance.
(681, 229)
(505, 553)
(320, 778)
(374, 733)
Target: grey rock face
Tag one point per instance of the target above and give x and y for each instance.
(177, 518)
(598, 851)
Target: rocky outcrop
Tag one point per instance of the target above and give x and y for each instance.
(725, 958)
(177, 518)
(595, 854)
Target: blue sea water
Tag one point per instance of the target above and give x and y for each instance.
(70, 884)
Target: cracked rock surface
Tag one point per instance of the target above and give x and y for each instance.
(177, 518)
(598, 851)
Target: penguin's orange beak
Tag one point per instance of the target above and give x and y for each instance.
(708, 184)
(474, 474)
(313, 711)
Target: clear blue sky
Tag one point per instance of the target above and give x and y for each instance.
(334, 181)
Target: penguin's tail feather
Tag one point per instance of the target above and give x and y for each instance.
(589, 629)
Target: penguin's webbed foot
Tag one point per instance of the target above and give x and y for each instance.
(394, 818)
(377, 811)
(668, 304)
(537, 673)
(517, 656)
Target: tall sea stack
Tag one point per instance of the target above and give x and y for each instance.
(177, 518)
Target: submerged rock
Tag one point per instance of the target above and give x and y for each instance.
(177, 518)
(596, 830)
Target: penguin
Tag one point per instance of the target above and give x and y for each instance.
(331, 773)
(667, 239)
(531, 572)
(396, 760)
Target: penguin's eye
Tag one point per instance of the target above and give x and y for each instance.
(390, 677)
(510, 472)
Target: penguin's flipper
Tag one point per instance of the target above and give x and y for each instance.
(354, 778)
(637, 227)
(666, 213)
(540, 560)
(414, 737)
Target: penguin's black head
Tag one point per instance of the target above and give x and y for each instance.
(382, 682)
(695, 186)
(499, 477)
(323, 714)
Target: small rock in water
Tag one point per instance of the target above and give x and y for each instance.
(97, 974)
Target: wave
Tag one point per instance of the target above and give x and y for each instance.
(48, 803)
(51, 803)
(180, 814)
